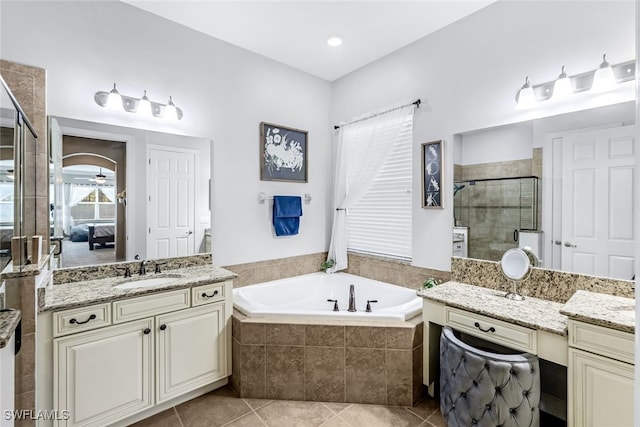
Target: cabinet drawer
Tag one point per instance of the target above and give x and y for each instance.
(207, 293)
(497, 331)
(81, 319)
(596, 339)
(137, 308)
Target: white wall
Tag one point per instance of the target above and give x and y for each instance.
(499, 144)
(468, 73)
(224, 92)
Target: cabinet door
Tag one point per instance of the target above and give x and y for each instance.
(190, 350)
(105, 375)
(600, 391)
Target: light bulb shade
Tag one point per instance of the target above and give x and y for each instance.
(114, 100)
(562, 86)
(526, 98)
(603, 79)
(100, 180)
(144, 106)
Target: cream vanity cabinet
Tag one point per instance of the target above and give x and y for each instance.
(115, 359)
(600, 375)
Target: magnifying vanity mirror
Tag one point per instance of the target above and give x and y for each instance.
(559, 187)
(516, 267)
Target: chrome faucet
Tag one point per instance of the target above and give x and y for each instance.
(352, 298)
(143, 267)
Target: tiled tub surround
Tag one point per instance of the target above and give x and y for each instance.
(330, 360)
(387, 270)
(546, 284)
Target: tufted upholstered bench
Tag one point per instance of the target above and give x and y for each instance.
(479, 388)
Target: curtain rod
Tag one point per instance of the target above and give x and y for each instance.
(416, 103)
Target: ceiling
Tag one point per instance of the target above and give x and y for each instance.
(294, 32)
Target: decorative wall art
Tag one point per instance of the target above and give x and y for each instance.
(283, 153)
(432, 174)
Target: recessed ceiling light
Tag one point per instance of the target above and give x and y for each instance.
(334, 41)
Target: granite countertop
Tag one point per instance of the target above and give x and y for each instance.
(601, 309)
(80, 293)
(531, 313)
(8, 323)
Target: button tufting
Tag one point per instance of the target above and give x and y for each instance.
(475, 383)
(486, 366)
(488, 406)
(474, 421)
(525, 393)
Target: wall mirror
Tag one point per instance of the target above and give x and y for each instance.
(121, 193)
(17, 183)
(583, 162)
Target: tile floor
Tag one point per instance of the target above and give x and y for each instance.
(222, 407)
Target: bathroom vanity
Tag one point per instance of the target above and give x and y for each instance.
(121, 349)
(591, 335)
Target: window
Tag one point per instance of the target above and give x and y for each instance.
(97, 204)
(380, 222)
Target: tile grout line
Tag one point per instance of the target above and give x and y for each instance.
(178, 415)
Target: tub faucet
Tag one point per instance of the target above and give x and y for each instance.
(143, 267)
(352, 298)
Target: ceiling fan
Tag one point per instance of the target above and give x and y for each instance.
(99, 179)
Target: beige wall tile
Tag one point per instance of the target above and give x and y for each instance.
(253, 371)
(364, 380)
(253, 333)
(400, 338)
(399, 377)
(366, 337)
(24, 365)
(419, 389)
(267, 273)
(285, 373)
(235, 365)
(25, 401)
(324, 335)
(284, 334)
(324, 374)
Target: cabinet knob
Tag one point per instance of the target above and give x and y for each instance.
(146, 331)
(163, 327)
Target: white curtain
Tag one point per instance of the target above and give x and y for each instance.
(73, 194)
(363, 147)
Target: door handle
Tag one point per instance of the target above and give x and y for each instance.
(189, 233)
(557, 242)
(569, 245)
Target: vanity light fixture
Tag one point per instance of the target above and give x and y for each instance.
(605, 77)
(143, 106)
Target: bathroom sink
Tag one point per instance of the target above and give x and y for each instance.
(148, 281)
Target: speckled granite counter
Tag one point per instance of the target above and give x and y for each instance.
(601, 309)
(8, 323)
(80, 293)
(531, 313)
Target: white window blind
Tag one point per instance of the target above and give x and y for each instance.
(380, 222)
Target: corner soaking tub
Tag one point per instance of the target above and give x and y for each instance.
(307, 295)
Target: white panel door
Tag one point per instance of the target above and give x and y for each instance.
(171, 209)
(104, 375)
(191, 350)
(597, 202)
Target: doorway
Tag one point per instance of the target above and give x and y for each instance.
(94, 198)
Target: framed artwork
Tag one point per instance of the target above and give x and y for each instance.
(283, 153)
(432, 174)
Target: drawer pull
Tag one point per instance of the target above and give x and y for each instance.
(146, 331)
(491, 329)
(163, 327)
(204, 294)
(93, 316)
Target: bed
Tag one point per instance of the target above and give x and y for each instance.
(101, 234)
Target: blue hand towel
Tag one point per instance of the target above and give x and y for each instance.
(287, 211)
